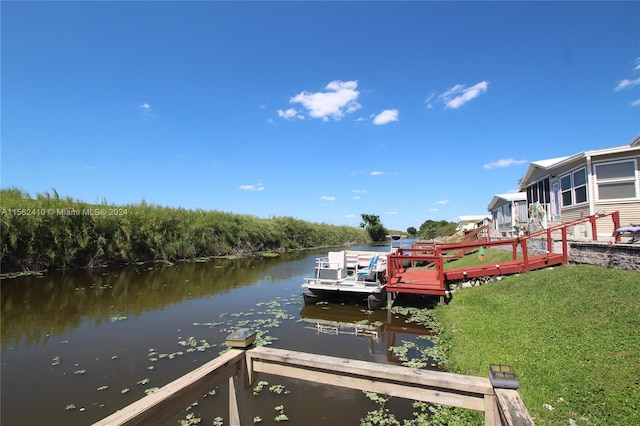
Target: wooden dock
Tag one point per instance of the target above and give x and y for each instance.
(240, 369)
(421, 268)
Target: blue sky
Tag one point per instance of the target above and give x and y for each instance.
(317, 110)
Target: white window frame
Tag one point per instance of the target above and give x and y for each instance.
(574, 188)
(627, 179)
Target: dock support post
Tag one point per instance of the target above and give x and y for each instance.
(241, 385)
(390, 299)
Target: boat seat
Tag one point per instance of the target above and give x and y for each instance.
(369, 269)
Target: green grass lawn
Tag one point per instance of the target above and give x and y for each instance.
(572, 333)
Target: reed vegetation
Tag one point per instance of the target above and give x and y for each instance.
(52, 232)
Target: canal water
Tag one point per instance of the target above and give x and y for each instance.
(79, 345)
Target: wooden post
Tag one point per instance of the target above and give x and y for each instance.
(240, 385)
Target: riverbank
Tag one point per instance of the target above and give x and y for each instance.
(570, 332)
(48, 232)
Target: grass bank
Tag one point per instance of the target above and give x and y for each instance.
(572, 334)
(51, 232)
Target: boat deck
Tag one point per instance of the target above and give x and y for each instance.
(348, 283)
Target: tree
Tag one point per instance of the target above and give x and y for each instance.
(369, 220)
(371, 223)
(412, 231)
(431, 229)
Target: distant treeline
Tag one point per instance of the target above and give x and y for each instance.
(50, 232)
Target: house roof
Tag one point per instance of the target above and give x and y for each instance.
(474, 218)
(553, 163)
(511, 196)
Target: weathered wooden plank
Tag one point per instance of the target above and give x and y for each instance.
(427, 378)
(374, 370)
(512, 410)
(158, 407)
(468, 401)
(491, 416)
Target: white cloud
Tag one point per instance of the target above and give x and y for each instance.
(338, 99)
(355, 197)
(637, 66)
(90, 167)
(328, 198)
(290, 113)
(359, 191)
(391, 213)
(376, 173)
(145, 108)
(263, 106)
(503, 163)
(635, 103)
(626, 83)
(257, 187)
(386, 116)
(443, 202)
(270, 120)
(350, 216)
(434, 209)
(458, 95)
(429, 100)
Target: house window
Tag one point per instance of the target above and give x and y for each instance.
(616, 180)
(574, 188)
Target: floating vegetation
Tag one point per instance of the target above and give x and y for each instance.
(101, 388)
(149, 391)
(118, 317)
(218, 421)
(143, 381)
(191, 419)
(114, 357)
(79, 371)
(279, 389)
(56, 360)
(70, 407)
(281, 417)
(151, 367)
(259, 386)
(125, 390)
(257, 419)
(381, 416)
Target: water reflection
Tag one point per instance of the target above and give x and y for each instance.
(98, 339)
(35, 308)
(382, 330)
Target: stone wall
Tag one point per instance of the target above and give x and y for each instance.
(618, 255)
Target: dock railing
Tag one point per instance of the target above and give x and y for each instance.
(532, 251)
(240, 368)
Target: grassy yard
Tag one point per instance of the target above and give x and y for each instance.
(572, 334)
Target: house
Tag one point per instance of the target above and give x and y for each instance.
(590, 182)
(469, 223)
(508, 212)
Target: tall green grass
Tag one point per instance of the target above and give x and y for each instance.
(51, 232)
(572, 334)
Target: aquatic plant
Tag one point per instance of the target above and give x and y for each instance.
(190, 419)
(281, 417)
(279, 389)
(259, 386)
(380, 416)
